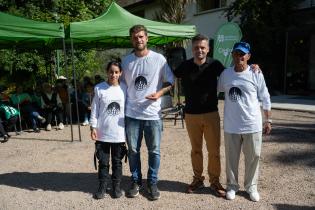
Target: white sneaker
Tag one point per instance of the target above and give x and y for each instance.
(254, 196)
(42, 119)
(230, 195)
(48, 127)
(61, 126)
(85, 123)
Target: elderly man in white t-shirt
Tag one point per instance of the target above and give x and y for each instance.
(144, 72)
(244, 90)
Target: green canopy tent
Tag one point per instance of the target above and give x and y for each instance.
(111, 30)
(24, 33)
(21, 33)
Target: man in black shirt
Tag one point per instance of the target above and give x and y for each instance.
(199, 80)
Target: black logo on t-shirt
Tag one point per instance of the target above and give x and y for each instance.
(235, 94)
(113, 109)
(141, 83)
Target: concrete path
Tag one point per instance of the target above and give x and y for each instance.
(291, 102)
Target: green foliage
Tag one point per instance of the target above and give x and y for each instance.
(264, 24)
(37, 64)
(172, 11)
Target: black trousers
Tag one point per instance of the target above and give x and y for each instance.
(103, 152)
(2, 130)
(51, 112)
(7, 125)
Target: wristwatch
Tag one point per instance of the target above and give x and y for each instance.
(91, 128)
(268, 121)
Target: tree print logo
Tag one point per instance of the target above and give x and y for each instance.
(141, 83)
(235, 94)
(113, 109)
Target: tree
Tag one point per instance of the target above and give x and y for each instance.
(172, 11)
(264, 24)
(31, 65)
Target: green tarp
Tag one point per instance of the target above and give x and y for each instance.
(107, 31)
(112, 30)
(25, 33)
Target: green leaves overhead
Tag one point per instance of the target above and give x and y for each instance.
(264, 24)
(40, 63)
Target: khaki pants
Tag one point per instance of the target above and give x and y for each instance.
(251, 145)
(208, 126)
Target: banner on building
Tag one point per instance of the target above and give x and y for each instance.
(226, 36)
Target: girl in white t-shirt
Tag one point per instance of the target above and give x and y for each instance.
(108, 129)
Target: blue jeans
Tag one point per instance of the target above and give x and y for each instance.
(152, 132)
(32, 114)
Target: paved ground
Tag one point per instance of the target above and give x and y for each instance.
(47, 171)
(294, 103)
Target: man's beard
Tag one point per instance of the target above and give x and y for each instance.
(140, 47)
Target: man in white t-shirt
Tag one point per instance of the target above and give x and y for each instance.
(244, 91)
(144, 72)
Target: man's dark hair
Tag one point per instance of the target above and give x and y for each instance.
(138, 28)
(199, 37)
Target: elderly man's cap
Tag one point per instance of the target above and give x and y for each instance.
(242, 46)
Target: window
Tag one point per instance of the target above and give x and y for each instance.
(203, 5)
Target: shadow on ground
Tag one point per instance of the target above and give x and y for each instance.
(306, 158)
(296, 133)
(82, 182)
(51, 181)
(292, 207)
(39, 139)
(292, 133)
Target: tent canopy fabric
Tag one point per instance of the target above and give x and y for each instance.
(112, 30)
(25, 33)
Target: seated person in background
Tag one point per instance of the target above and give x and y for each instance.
(3, 96)
(3, 133)
(86, 100)
(51, 105)
(98, 79)
(23, 102)
(62, 89)
(8, 118)
(36, 94)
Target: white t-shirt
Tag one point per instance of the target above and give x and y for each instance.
(108, 112)
(144, 76)
(243, 93)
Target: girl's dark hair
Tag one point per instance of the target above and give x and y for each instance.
(115, 63)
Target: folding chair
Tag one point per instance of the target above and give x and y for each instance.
(169, 111)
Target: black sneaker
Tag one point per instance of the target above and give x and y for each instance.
(101, 192)
(154, 193)
(36, 130)
(117, 191)
(134, 190)
(5, 138)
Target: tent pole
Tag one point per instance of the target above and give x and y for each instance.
(68, 91)
(75, 89)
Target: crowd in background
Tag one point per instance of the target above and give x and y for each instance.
(45, 106)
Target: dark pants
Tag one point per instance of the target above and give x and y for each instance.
(103, 150)
(52, 112)
(7, 125)
(2, 130)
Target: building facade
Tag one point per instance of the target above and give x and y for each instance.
(297, 77)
